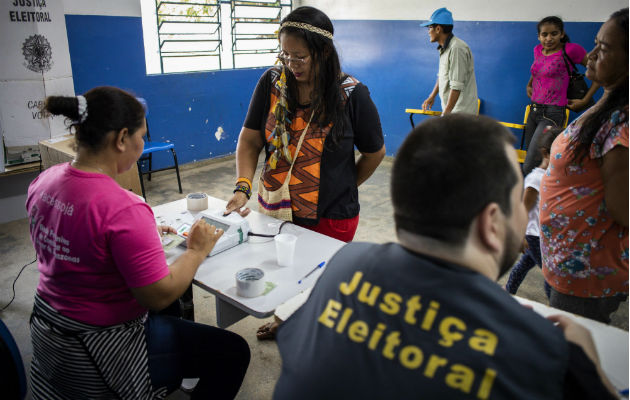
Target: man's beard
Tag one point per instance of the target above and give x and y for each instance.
(511, 250)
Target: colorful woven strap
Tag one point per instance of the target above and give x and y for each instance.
(244, 189)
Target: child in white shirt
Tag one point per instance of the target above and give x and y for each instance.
(531, 253)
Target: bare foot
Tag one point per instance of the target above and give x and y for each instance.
(268, 330)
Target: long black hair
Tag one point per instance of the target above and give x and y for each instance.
(326, 99)
(616, 100)
(557, 21)
(108, 109)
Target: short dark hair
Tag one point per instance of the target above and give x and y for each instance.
(108, 109)
(446, 28)
(446, 171)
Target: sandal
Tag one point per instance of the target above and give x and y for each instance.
(267, 331)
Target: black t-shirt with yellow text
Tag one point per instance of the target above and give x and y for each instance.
(385, 323)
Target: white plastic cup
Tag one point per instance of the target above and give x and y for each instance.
(285, 248)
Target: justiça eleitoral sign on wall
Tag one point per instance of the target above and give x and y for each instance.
(35, 63)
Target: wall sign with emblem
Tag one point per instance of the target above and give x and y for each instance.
(35, 63)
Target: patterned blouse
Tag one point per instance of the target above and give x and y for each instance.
(584, 251)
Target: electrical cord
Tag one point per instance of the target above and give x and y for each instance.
(267, 235)
(26, 265)
(13, 286)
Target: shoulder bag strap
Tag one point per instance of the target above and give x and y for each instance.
(568, 60)
(297, 149)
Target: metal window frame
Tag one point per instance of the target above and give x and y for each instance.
(216, 45)
(166, 38)
(240, 37)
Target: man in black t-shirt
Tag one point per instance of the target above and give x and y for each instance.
(424, 318)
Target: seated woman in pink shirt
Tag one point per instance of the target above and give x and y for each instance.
(102, 267)
(547, 87)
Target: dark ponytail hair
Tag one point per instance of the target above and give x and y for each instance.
(616, 100)
(557, 21)
(327, 100)
(108, 109)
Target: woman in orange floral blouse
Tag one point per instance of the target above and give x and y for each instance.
(584, 193)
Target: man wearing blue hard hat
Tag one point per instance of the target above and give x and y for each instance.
(456, 82)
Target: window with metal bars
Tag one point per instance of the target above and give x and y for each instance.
(207, 35)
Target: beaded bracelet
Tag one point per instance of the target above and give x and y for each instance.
(244, 189)
(243, 179)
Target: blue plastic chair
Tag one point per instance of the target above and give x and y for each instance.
(12, 375)
(151, 147)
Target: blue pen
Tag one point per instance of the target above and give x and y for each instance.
(624, 392)
(321, 264)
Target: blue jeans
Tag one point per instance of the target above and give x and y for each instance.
(540, 117)
(527, 261)
(179, 349)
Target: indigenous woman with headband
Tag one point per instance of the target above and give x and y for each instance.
(547, 87)
(310, 94)
(102, 266)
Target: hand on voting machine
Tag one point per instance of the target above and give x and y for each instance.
(235, 227)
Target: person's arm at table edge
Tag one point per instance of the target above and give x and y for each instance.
(247, 150)
(367, 163)
(428, 103)
(614, 170)
(579, 335)
(161, 294)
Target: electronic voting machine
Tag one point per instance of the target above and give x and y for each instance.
(235, 228)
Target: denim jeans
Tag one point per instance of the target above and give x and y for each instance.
(530, 257)
(179, 349)
(540, 116)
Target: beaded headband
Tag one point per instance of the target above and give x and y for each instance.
(307, 27)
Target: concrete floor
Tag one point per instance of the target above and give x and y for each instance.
(215, 177)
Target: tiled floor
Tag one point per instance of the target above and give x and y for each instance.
(216, 178)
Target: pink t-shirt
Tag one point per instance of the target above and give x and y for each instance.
(94, 241)
(550, 76)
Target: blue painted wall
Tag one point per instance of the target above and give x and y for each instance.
(399, 65)
(108, 50)
(393, 58)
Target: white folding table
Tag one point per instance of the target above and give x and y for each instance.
(217, 273)
(611, 342)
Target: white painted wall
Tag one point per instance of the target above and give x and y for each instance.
(463, 10)
(120, 8)
(468, 10)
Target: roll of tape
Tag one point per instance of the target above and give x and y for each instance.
(197, 201)
(249, 282)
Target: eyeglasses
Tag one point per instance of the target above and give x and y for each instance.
(286, 60)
